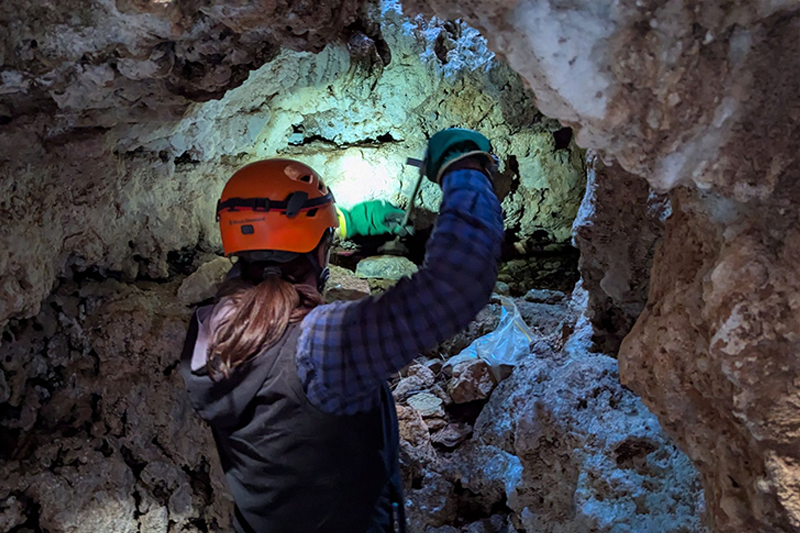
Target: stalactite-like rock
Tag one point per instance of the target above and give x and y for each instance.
(618, 226)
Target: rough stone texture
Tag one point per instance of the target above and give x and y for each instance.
(98, 433)
(127, 174)
(593, 458)
(204, 283)
(561, 446)
(678, 92)
(12, 513)
(472, 380)
(419, 379)
(452, 435)
(104, 63)
(344, 285)
(618, 226)
(426, 404)
(700, 94)
(386, 267)
(715, 352)
(546, 269)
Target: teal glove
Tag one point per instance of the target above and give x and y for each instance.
(374, 217)
(455, 144)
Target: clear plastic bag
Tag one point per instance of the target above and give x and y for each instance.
(504, 347)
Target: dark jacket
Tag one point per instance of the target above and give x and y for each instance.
(290, 467)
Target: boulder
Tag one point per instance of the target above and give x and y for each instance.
(204, 283)
(427, 405)
(419, 379)
(345, 285)
(452, 434)
(472, 380)
(386, 267)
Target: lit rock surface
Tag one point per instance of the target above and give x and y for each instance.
(386, 267)
(717, 345)
(472, 380)
(561, 445)
(592, 457)
(121, 124)
(344, 285)
(679, 93)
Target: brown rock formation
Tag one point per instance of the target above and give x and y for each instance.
(620, 222)
(715, 352)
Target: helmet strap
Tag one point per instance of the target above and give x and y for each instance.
(322, 274)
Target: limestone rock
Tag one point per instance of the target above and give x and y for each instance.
(419, 379)
(544, 296)
(427, 405)
(121, 428)
(502, 288)
(416, 449)
(344, 285)
(386, 267)
(472, 380)
(717, 345)
(719, 375)
(204, 283)
(591, 457)
(12, 513)
(435, 424)
(620, 222)
(434, 503)
(172, 101)
(452, 434)
(485, 472)
(554, 269)
(544, 318)
(632, 106)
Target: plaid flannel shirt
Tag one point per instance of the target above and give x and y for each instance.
(348, 349)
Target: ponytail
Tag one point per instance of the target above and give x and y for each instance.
(252, 318)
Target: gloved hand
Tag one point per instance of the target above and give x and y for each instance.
(374, 217)
(452, 145)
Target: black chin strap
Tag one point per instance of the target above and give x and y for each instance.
(322, 274)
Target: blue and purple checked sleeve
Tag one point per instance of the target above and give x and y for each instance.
(348, 349)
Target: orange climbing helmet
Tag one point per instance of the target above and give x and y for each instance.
(276, 205)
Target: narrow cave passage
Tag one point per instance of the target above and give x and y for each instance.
(111, 175)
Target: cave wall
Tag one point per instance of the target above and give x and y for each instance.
(121, 122)
(92, 182)
(107, 121)
(98, 433)
(700, 97)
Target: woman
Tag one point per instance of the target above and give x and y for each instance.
(295, 391)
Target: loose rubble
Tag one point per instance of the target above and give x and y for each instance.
(471, 381)
(344, 285)
(558, 447)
